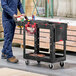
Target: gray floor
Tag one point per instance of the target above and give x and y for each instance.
(68, 70)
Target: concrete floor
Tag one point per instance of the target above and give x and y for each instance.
(68, 70)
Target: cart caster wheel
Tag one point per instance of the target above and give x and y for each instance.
(38, 62)
(51, 66)
(62, 64)
(27, 62)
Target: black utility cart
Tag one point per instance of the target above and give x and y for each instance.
(58, 32)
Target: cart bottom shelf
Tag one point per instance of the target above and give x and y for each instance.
(44, 57)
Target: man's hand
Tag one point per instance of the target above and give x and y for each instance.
(15, 16)
(23, 15)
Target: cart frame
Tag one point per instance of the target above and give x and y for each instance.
(58, 32)
(52, 57)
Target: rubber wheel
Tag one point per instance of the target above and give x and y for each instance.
(51, 66)
(27, 62)
(38, 62)
(62, 64)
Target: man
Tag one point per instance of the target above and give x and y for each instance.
(9, 11)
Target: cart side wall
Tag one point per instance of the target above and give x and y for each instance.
(71, 39)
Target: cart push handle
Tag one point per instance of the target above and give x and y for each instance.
(29, 24)
(20, 18)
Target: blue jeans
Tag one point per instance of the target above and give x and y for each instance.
(9, 29)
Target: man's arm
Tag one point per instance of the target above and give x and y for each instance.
(6, 8)
(20, 7)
